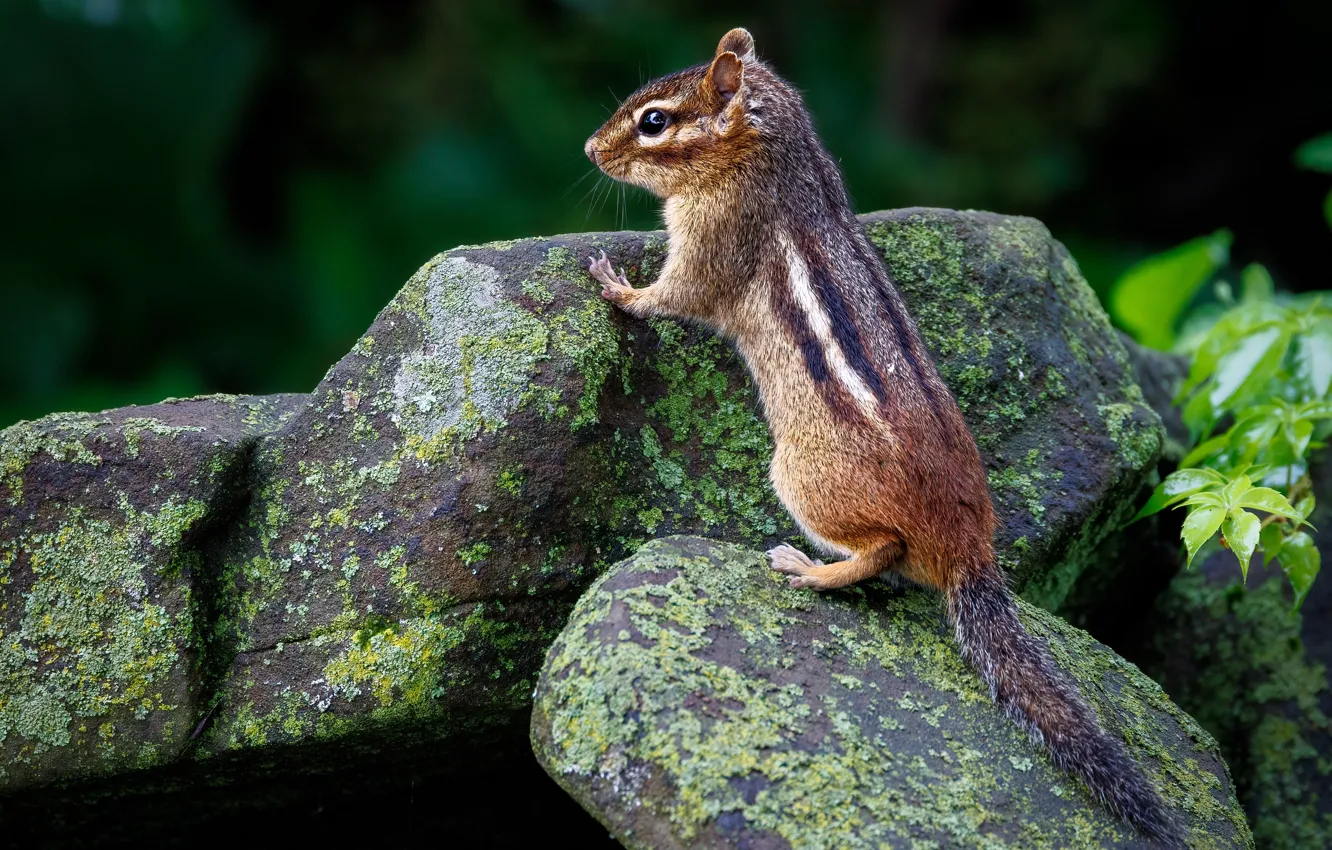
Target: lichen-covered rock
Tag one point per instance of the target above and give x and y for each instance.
(411, 540)
(103, 518)
(499, 435)
(695, 700)
(1137, 561)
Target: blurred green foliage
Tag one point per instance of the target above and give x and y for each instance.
(218, 195)
(1150, 297)
(1260, 373)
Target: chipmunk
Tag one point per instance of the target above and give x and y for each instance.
(872, 457)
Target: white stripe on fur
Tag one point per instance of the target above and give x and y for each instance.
(808, 300)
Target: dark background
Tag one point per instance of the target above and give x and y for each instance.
(219, 195)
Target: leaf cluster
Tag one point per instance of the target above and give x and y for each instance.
(1256, 403)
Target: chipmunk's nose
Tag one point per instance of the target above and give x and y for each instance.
(590, 151)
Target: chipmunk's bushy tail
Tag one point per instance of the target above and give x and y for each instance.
(1024, 681)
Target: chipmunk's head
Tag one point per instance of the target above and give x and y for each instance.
(688, 129)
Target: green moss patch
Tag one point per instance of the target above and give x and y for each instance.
(97, 643)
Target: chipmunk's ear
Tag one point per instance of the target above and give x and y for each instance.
(739, 42)
(725, 76)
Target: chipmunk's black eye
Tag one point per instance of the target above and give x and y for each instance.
(652, 122)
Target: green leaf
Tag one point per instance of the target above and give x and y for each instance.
(1313, 359)
(1257, 283)
(1214, 500)
(1203, 363)
(1231, 492)
(1271, 538)
(1316, 154)
(1301, 561)
(1176, 486)
(1199, 526)
(1253, 434)
(1269, 500)
(1150, 296)
(1279, 476)
(1248, 366)
(1183, 482)
(1241, 530)
(1205, 450)
(1257, 472)
(1305, 506)
(1198, 414)
(1316, 410)
(1298, 434)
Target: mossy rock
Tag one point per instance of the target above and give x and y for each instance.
(500, 435)
(1256, 676)
(405, 547)
(1137, 561)
(696, 700)
(104, 520)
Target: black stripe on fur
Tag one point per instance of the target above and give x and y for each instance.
(802, 335)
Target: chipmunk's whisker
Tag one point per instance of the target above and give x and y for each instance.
(610, 190)
(574, 185)
(590, 195)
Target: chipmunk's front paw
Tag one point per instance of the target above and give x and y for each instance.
(614, 288)
(796, 564)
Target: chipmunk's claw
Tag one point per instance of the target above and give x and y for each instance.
(614, 287)
(791, 561)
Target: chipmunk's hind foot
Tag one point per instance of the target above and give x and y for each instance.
(817, 575)
(791, 561)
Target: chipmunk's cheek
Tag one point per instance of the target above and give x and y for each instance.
(645, 177)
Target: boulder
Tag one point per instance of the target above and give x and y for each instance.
(500, 435)
(695, 700)
(402, 548)
(104, 522)
(1136, 562)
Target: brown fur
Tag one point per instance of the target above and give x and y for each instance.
(873, 458)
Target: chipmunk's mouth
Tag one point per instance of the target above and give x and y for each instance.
(601, 158)
(615, 169)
